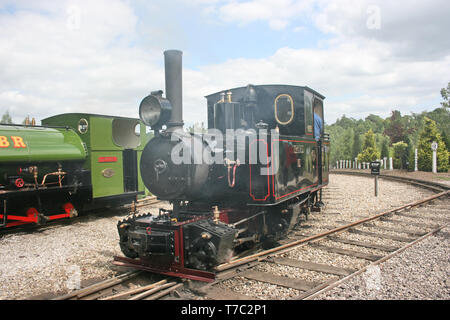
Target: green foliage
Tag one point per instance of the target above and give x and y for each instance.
(338, 143)
(400, 154)
(445, 93)
(398, 127)
(342, 148)
(6, 118)
(446, 140)
(429, 134)
(357, 145)
(369, 140)
(442, 118)
(368, 155)
(348, 147)
(376, 123)
(385, 148)
(409, 154)
(370, 152)
(411, 158)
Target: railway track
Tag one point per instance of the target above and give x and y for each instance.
(131, 285)
(367, 242)
(370, 240)
(262, 266)
(435, 186)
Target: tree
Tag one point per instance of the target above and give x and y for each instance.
(409, 154)
(375, 122)
(400, 154)
(357, 145)
(428, 134)
(6, 118)
(385, 148)
(396, 127)
(442, 118)
(346, 122)
(445, 93)
(411, 158)
(370, 152)
(347, 147)
(446, 140)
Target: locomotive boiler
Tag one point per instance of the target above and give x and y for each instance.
(244, 182)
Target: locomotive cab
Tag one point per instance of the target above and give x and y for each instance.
(295, 152)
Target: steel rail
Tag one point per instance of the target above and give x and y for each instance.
(78, 294)
(135, 291)
(421, 183)
(258, 255)
(329, 286)
(156, 290)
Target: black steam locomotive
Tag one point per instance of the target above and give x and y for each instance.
(247, 181)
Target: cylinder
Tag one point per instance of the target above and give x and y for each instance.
(174, 91)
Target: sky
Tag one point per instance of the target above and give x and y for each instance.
(105, 56)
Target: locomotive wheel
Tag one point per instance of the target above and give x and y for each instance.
(128, 252)
(269, 242)
(202, 254)
(69, 208)
(32, 213)
(122, 226)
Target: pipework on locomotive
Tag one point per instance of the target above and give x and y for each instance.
(245, 182)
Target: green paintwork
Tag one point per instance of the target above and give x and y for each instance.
(42, 145)
(106, 186)
(99, 139)
(141, 185)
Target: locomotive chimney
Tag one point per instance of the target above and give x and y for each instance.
(174, 91)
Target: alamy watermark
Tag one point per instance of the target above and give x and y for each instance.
(373, 21)
(372, 278)
(73, 21)
(73, 277)
(235, 147)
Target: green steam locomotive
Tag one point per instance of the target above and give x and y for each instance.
(71, 163)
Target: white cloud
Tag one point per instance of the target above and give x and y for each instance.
(356, 79)
(54, 68)
(381, 55)
(413, 29)
(49, 64)
(278, 13)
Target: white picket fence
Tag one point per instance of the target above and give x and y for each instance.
(355, 164)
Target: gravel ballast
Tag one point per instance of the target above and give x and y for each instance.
(421, 272)
(348, 199)
(57, 259)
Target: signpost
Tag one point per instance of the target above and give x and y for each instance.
(434, 146)
(375, 171)
(415, 160)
